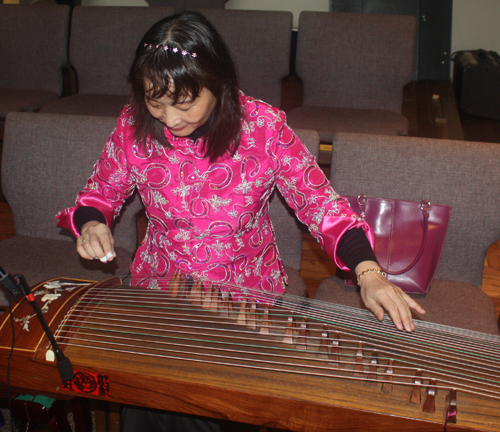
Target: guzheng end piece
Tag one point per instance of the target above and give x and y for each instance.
(304, 333)
(430, 400)
(242, 313)
(323, 344)
(265, 321)
(416, 397)
(252, 314)
(372, 375)
(452, 410)
(288, 336)
(387, 386)
(335, 349)
(196, 295)
(358, 365)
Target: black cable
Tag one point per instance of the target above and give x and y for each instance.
(9, 362)
(17, 286)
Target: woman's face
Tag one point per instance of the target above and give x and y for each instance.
(185, 116)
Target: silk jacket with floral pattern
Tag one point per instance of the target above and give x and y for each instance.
(211, 220)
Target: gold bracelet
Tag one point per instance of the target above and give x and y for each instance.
(372, 270)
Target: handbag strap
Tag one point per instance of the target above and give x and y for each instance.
(425, 207)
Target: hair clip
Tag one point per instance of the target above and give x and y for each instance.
(166, 48)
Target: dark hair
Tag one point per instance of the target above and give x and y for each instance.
(212, 68)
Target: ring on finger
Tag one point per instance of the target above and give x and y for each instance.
(85, 240)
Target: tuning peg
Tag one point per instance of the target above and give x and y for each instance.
(430, 400)
(358, 366)
(415, 394)
(387, 386)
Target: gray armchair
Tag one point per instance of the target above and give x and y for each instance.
(354, 67)
(460, 174)
(46, 160)
(32, 54)
(260, 43)
(102, 45)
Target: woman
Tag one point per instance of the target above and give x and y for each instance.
(205, 159)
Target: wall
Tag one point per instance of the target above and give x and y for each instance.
(294, 6)
(475, 22)
(476, 25)
(114, 3)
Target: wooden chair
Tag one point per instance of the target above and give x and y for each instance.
(460, 174)
(353, 67)
(32, 55)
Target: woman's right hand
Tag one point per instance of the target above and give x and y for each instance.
(96, 242)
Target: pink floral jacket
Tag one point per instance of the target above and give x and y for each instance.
(211, 220)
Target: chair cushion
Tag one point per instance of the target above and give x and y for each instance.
(328, 120)
(87, 104)
(23, 100)
(449, 303)
(39, 259)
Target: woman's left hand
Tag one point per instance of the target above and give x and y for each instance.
(380, 296)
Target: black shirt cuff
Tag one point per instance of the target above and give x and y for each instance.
(86, 214)
(354, 248)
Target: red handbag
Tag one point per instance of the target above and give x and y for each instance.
(409, 239)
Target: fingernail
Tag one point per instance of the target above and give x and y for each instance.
(110, 255)
(103, 259)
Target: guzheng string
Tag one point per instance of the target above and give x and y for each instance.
(118, 319)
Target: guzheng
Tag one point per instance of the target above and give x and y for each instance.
(292, 363)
